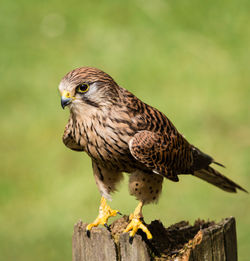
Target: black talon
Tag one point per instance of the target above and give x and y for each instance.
(131, 239)
(106, 225)
(88, 233)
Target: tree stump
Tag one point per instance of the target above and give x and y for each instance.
(179, 242)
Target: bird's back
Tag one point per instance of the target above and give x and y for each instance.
(173, 154)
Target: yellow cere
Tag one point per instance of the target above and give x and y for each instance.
(66, 94)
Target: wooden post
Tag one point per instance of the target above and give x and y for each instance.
(206, 241)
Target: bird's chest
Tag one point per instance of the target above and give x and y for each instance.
(105, 140)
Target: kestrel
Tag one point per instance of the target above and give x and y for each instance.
(121, 133)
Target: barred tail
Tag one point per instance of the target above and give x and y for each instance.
(214, 177)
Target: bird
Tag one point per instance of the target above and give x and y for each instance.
(121, 133)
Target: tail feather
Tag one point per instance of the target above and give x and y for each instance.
(214, 177)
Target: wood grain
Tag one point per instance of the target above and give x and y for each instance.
(206, 241)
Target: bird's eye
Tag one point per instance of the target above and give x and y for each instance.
(84, 87)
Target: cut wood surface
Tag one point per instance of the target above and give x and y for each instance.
(180, 242)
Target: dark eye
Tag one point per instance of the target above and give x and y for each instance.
(84, 87)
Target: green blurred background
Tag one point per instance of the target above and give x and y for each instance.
(190, 59)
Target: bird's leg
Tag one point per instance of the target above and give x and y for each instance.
(105, 212)
(136, 223)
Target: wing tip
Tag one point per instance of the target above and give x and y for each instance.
(219, 164)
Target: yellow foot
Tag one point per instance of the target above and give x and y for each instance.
(136, 223)
(104, 213)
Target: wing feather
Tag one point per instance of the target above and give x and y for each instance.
(167, 156)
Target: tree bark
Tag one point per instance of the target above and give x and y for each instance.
(180, 242)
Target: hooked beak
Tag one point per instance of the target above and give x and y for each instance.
(66, 99)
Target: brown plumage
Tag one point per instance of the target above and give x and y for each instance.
(122, 134)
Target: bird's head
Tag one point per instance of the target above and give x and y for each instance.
(88, 87)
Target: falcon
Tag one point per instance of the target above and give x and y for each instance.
(121, 133)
